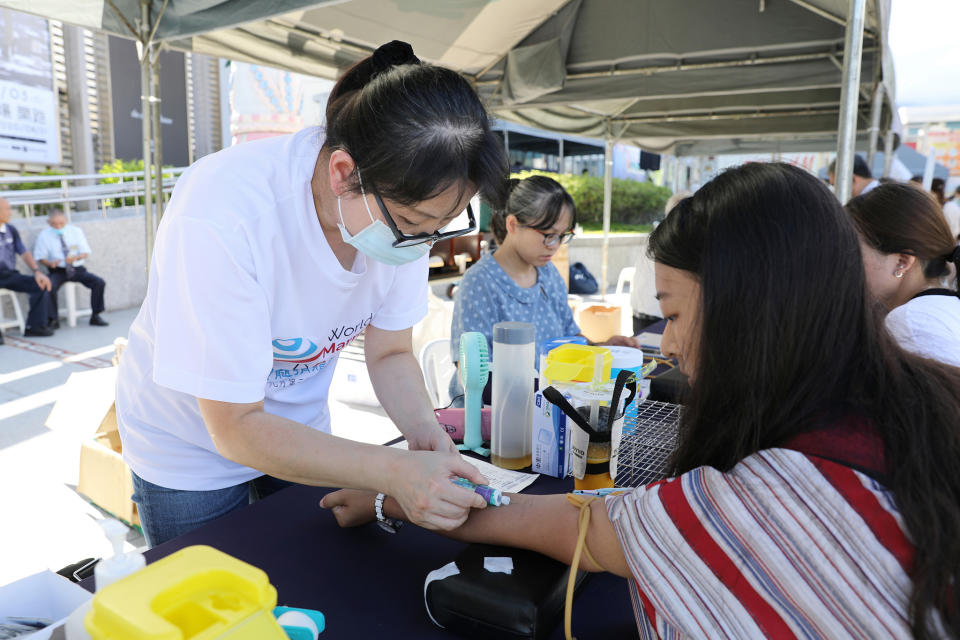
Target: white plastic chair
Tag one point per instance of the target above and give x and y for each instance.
(69, 309)
(625, 277)
(17, 320)
(438, 369)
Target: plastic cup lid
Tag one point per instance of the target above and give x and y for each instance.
(514, 333)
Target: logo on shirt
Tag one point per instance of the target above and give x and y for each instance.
(295, 350)
(297, 359)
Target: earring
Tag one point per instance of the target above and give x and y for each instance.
(898, 273)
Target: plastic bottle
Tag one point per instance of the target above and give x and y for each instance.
(121, 564)
(513, 374)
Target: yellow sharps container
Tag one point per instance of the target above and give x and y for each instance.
(197, 593)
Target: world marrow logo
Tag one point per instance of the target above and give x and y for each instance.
(295, 350)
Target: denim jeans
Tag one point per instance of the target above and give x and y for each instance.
(167, 513)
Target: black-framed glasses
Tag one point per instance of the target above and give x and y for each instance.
(404, 240)
(551, 240)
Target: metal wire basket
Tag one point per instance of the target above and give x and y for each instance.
(649, 438)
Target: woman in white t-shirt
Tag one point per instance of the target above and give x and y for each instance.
(271, 258)
(908, 251)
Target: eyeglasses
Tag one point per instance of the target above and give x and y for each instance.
(551, 240)
(404, 240)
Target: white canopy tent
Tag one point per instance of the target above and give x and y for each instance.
(685, 77)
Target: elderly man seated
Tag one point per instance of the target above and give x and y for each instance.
(37, 285)
(62, 248)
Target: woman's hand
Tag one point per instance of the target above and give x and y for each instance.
(351, 507)
(430, 437)
(421, 485)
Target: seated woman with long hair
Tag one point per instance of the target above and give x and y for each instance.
(813, 492)
(908, 251)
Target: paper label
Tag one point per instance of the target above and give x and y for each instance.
(579, 442)
(498, 564)
(445, 571)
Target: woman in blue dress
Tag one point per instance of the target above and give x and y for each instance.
(518, 282)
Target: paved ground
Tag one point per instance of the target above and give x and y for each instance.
(44, 522)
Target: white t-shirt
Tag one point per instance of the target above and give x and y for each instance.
(928, 326)
(246, 302)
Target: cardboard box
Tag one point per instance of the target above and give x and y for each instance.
(104, 476)
(86, 408)
(550, 439)
(42, 595)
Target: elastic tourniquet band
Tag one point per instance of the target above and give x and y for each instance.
(583, 524)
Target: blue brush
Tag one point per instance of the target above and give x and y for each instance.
(474, 372)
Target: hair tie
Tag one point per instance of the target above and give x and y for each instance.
(393, 53)
(955, 256)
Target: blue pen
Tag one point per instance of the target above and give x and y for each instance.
(606, 491)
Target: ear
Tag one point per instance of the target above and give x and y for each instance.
(511, 223)
(341, 170)
(905, 262)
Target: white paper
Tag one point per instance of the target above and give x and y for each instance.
(42, 595)
(504, 479)
(616, 435)
(649, 340)
(579, 443)
(445, 571)
(498, 564)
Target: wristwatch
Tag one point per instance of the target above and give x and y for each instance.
(389, 525)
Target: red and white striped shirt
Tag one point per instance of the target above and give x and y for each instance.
(784, 545)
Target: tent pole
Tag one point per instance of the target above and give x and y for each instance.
(875, 113)
(157, 129)
(145, 107)
(849, 98)
(887, 153)
(607, 202)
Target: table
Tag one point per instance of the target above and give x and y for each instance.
(369, 583)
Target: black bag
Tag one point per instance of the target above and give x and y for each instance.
(581, 280)
(476, 603)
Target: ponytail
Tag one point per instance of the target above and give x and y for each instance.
(414, 129)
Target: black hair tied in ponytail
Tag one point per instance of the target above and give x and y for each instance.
(414, 129)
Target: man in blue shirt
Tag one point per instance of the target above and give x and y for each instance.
(62, 249)
(38, 285)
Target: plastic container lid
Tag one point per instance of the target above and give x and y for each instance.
(514, 333)
(626, 358)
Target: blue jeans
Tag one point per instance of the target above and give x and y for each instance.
(167, 513)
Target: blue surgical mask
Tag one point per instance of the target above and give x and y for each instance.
(60, 231)
(376, 240)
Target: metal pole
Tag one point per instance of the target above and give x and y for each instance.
(887, 153)
(849, 98)
(875, 113)
(607, 205)
(145, 83)
(157, 129)
(560, 160)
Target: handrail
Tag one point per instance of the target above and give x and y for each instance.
(98, 192)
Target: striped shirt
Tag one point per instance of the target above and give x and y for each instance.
(781, 546)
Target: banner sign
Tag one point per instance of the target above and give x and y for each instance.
(28, 104)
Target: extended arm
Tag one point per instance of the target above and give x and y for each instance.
(546, 524)
(399, 385)
(420, 480)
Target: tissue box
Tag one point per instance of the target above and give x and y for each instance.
(550, 439)
(42, 595)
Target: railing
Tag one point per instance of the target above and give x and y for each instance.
(75, 189)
